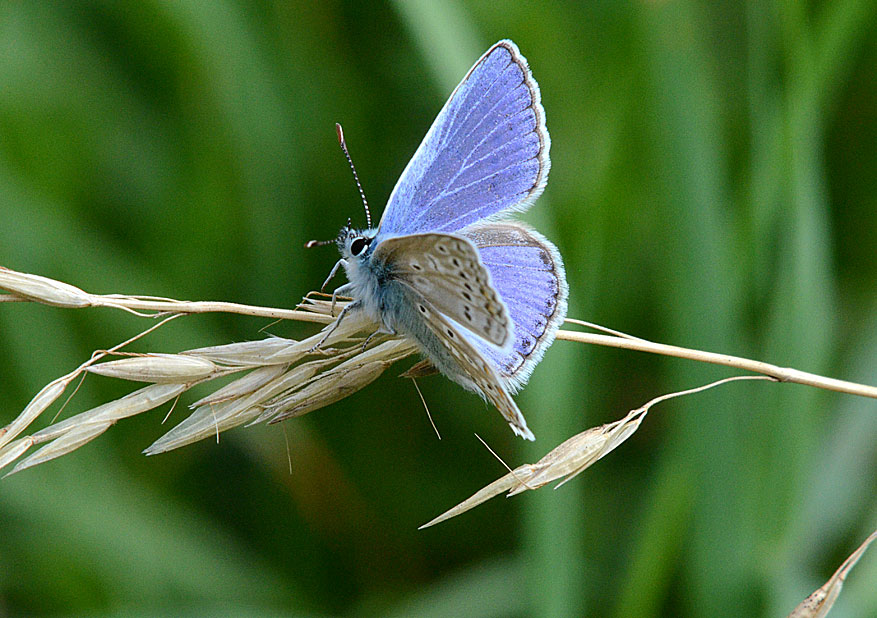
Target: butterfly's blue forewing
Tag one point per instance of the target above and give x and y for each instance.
(486, 152)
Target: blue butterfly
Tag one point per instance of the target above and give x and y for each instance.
(482, 297)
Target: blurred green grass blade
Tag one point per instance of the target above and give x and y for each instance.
(237, 609)
(488, 588)
(838, 34)
(701, 295)
(764, 199)
(658, 541)
(825, 512)
(144, 545)
(243, 97)
(447, 39)
(800, 328)
(558, 562)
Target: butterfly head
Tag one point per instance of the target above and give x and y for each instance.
(353, 243)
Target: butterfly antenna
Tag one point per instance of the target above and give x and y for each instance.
(340, 132)
(318, 243)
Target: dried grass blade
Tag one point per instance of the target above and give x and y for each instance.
(821, 601)
(42, 400)
(67, 443)
(499, 486)
(141, 400)
(157, 368)
(241, 386)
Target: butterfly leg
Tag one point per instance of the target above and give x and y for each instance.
(381, 330)
(354, 305)
(344, 289)
(332, 272)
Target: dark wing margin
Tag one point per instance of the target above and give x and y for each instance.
(527, 271)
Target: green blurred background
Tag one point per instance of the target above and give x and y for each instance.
(713, 185)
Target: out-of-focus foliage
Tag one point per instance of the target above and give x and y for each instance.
(714, 185)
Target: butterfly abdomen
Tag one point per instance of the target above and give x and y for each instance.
(415, 317)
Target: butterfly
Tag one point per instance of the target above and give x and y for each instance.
(482, 297)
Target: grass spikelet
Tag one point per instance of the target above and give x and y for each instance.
(822, 600)
(251, 353)
(43, 290)
(242, 386)
(14, 450)
(211, 419)
(571, 457)
(42, 400)
(70, 441)
(348, 377)
(157, 368)
(142, 400)
(565, 461)
(284, 378)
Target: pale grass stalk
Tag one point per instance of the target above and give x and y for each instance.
(12, 281)
(24, 287)
(818, 604)
(288, 378)
(781, 374)
(573, 456)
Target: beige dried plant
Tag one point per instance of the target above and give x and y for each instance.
(285, 378)
(820, 602)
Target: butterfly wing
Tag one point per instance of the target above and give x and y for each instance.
(480, 371)
(527, 272)
(447, 270)
(486, 153)
(456, 356)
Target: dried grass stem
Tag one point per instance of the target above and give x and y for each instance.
(35, 288)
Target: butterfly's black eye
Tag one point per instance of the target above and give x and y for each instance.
(358, 246)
